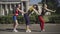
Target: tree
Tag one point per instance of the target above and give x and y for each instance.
(51, 4)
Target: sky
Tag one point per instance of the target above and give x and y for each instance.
(34, 1)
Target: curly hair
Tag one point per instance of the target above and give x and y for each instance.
(36, 7)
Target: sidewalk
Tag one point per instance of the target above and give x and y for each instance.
(50, 28)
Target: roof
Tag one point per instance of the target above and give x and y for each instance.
(10, 0)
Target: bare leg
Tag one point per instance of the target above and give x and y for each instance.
(15, 26)
(27, 27)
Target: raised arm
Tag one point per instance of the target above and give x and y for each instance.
(21, 11)
(31, 13)
(48, 9)
(36, 11)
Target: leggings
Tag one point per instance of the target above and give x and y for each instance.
(41, 20)
(27, 19)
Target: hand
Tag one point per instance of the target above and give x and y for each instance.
(25, 12)
(54, 11)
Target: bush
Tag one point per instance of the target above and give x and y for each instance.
(9, 19)
(52, 19)
(21, 20)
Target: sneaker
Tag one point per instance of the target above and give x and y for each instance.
(15, 31)
(28, 30)
(43, 30)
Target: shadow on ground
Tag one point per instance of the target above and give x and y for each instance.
(20, 30)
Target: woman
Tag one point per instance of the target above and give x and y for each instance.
(15, 14)
(47, 11)
(40, 15)
(26, 16)
(35, 9)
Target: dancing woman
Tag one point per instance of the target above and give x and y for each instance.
(40, 15)
(15, 14)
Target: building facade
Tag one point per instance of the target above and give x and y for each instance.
(6, 6)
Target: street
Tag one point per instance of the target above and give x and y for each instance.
(49, 29)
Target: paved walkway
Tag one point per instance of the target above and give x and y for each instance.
(50, 29)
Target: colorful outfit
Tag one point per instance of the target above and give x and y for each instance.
(26, 16)
(41, 20)
(16, 12)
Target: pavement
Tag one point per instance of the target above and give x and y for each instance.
(49, 29)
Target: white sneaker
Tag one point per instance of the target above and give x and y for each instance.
(15, 31)
(28, 30)
(43, 30)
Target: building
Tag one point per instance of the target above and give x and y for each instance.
(6, 6)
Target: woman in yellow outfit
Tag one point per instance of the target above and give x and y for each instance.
(26, 16)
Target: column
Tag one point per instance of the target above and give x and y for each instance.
(14, 5)
(27, 5)
(11, 8)
(22, 6)
(2, 10)
(6, 8)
